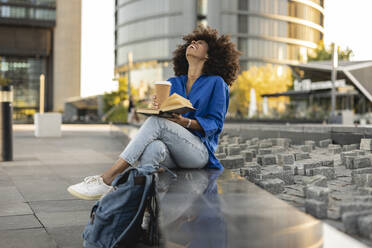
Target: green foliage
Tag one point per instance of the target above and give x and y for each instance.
(323, 53)
(119, 114)
(115, 103)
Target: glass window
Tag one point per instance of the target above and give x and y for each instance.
(24, 75)
(243, 5)
(242, 23)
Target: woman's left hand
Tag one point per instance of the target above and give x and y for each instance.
(179, 119)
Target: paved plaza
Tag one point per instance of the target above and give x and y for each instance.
(36, 211)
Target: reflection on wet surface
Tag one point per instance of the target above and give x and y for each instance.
(209, 208)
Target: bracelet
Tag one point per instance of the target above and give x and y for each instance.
(188, 124)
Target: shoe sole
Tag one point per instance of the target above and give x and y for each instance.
(81, 196)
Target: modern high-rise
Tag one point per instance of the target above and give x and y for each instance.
(265, 31)
(40, 37)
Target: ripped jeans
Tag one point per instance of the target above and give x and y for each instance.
(164, 142)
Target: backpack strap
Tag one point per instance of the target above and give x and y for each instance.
(140, 207)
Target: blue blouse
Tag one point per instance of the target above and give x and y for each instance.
(210, 96)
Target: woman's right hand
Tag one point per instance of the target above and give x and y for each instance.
(154, 103)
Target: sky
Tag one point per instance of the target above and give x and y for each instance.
(97, 47)
(346, 22)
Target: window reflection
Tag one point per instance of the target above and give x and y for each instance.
(24, 74)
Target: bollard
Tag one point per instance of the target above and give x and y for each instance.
(6, 123)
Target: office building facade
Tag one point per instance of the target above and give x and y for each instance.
(30, 45)
(265, 31)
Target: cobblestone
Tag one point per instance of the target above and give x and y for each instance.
(325, 143)
(366, 144)
(325, 171)
(232, 162)
(247, 155)
(350, 220)
(285, 159)
(317, 193)
(316, 208)
(268, 159)
(274, 186)
(301, 155)
(365, 226)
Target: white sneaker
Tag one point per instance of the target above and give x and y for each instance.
(92, 188)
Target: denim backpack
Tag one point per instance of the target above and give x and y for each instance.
(115, 220)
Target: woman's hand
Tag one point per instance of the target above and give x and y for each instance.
(179, 119)
(154, 104)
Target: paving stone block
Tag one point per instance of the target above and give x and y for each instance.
(233, 150)
(283, 142)
(354, 206)
(243, 146)
(317, 193)
(365, 226)
(301, 155)
(316, 208)
(327, 162)
(325, 143)
(288, 177)
(304, 165)
(343, 156)
(291, 167)
(254, 152)
(328, 172)
(247, 155)
(268, 159)
(365, 190)
(253, 147)
(360, 171)
(310, 143)
(350, 147)
(264, 151)
(274, 186)
(335, 150)
(317, 180)
(285, 158)
(220, 149)
(366, 144)
(363, 180)
(232, 162)
(236, 140)
(265, 144)
(250, 171)
(220, 155)
(349, 161)
(306, 148)
(278, 150)
(350, 220)
(362, 198)
(255, 141)
(361, 162)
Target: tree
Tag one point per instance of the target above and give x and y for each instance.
(323, 53)
(266, 79)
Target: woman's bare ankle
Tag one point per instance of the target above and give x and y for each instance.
(109, 175)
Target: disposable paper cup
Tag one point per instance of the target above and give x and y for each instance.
(162, 89)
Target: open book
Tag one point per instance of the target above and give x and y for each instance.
(173, 104)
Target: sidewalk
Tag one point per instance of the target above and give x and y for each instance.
(35, 208)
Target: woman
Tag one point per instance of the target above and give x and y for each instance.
(205, 65)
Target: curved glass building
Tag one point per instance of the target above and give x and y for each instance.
(266, 31)
(271, 31)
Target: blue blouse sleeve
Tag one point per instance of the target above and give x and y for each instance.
(173, 88)
(216, 111)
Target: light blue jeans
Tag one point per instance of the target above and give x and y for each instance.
(164, 142)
